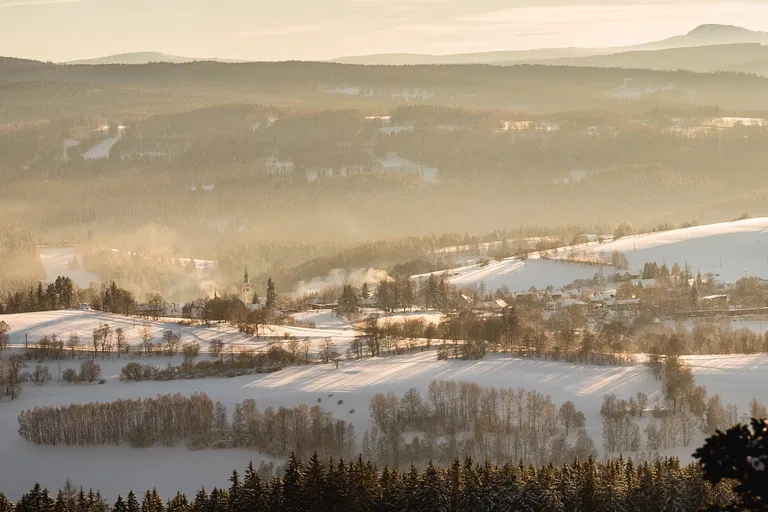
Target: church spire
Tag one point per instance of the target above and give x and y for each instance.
(245, 277)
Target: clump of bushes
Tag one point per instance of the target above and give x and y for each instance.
(90, 372)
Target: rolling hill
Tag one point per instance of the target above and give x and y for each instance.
(740, 57)
(703, 35)
(144, 58)
(178, 468)
(727, 249)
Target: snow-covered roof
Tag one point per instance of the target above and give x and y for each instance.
(602, 296)
(713, 297)
(622, 302)
(501, 303)
(572, 302)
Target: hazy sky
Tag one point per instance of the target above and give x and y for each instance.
(61, 30)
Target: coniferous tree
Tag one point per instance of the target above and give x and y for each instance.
(365, 292)
(453, 483)
(237, 497)
(389, 484)
(431, 493)
(36, 500)
(152, 502)
(408, 491)
(254, 490)
(271, 301)
(293, 485)
(61, 503)
(471, 487)
(178, 503)
(275, 495)
(201, 503)
(219, 500)
(131, 503)
(314, 480)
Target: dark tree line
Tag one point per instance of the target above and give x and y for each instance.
(462, 486)
(61, 294)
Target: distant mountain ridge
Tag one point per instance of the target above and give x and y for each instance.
(144, 58)
(703, 35)
(737, 57)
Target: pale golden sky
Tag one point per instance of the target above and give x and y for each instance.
(61, 30)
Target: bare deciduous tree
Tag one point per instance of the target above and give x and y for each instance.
(73, 342)
(328, 350)
(215, 347)
(172, 341)
(89, 371)
(4, 335)
(145, 334)
(121, 343)
(569, 417)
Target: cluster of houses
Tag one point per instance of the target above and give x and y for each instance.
(393, 164)
(399, 93)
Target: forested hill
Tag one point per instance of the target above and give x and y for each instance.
(305, 73)
(314, 84)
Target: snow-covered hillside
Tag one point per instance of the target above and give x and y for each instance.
(56, 261)
(519, 276)
(62, 323)
(118, 468)
(102, 149)
(727, 248)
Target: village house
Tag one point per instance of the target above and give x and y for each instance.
(494, 305)
(719, 301)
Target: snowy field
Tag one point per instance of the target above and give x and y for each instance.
(102, 149)
(115, 469)
(56, 262)
(755, 324)
(118, 468)
(727, 248)
(62, 323)
(517, 275)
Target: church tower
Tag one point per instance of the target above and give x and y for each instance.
(246, 293)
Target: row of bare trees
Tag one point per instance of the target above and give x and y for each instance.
(10, 375)
(464, 419)
(169, 419)
(684, 411)
(165, 419)
(104, 342)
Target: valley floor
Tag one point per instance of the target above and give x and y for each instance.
(116, 469)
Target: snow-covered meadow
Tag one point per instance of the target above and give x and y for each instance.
(57, 261)
(33, 326)
(727, 249)
(115, 469)
(519, 276)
